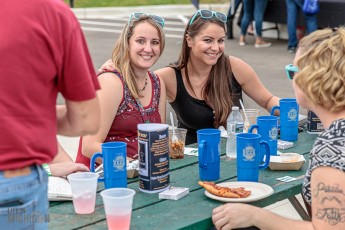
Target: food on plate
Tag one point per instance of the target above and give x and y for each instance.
(227, 192)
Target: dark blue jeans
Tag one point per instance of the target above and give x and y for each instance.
(256, 8)
(293, 6)
(237, 4)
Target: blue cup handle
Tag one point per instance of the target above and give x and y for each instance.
(253, 127)
(92, 164)
(202, 163)
(274, 108)
(268, 154)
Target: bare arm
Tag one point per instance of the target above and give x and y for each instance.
(62, 156)
(78, 118)
(62, 165)
(230, 216)
(251, 84)
(110, 97)
(328, 198)
(167, 74)
(162, 102)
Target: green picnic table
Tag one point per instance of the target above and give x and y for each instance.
(192, 211)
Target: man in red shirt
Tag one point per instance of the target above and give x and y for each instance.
(42, 52)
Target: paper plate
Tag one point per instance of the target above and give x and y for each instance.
(258, 191)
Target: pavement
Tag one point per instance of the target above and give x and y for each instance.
(162, 10)
(102, 27)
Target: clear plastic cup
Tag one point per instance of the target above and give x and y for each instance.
(118, 207)
(176, 149)
(84, 187)
(251, 115)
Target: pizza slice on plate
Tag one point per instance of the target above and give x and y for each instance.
(226, 192)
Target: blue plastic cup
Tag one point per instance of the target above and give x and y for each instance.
(267, 127)
(114, 164)
(209, 154)
(248, 156)
(288, 119)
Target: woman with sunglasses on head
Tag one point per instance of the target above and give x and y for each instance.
(205, 83)
(319, 83)
(131, 94)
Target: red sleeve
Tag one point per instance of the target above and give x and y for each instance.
(78, 80)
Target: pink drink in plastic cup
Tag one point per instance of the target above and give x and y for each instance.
(84, 187)
(118, 207)
(118, 222)
(84, 204)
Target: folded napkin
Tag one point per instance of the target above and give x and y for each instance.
(191, 151)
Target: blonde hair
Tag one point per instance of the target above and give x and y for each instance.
(322, 68)
(121, 55)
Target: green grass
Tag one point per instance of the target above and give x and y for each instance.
(106, 3)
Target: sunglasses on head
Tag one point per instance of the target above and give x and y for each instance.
(207, 14)
(291, 70)
(156, 18)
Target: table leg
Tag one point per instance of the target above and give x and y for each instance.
(299, 208)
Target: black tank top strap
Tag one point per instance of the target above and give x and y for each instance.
(236, 92)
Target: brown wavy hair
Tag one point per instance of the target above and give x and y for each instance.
(121, 56)
(322, 68)
(216, 91)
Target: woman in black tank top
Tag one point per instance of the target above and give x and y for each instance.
(205, 83)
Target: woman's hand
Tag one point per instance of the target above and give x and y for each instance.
(231, 216)
(66, 168)
(108, 66)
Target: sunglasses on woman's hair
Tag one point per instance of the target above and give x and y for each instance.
(156, 18)
(291, 70)
(207, 14)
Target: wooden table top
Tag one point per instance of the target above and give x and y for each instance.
(190, 212)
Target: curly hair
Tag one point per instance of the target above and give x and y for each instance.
(322, 68)
(121, 56)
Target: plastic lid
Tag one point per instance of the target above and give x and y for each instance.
(235, 108)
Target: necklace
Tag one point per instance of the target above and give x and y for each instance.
(141, 90)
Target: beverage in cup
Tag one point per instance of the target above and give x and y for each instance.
(176, 148)
(250, 119)
(118, 207)
(83, 186)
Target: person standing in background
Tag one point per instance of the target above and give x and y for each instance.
(195, 4)
(256, 8)
(234, 5)
(42, 52)
(293, 7)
